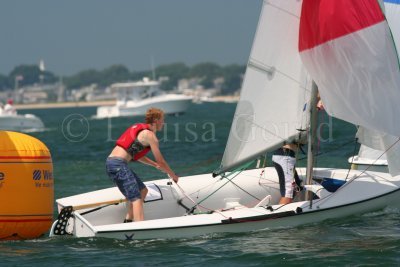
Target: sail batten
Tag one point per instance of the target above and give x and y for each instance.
(259, 66)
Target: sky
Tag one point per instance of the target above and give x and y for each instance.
(75, 35)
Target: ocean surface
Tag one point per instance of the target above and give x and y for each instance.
(193, 143)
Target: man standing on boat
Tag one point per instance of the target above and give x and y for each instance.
(133, 145)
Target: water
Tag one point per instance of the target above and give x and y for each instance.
(192, 144)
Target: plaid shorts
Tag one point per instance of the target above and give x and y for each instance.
(127, 181)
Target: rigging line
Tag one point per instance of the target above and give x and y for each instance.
(267, 2)
(375, 160)
(352, 158)
(245, 191)
(194, 202)
(236, 172)
(198, 204)
(358, 176)
(187, 196)
(332, 150)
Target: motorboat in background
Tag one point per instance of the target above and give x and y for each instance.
(134, 98)
(21, 123)
(12, 121)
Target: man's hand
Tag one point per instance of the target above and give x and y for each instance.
(174, 177)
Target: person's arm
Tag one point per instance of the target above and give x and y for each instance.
(147, 161)
(153, 141)
(320, 105)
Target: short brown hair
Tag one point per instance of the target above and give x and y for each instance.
(153, 114)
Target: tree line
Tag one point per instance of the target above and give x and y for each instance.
(207, 72)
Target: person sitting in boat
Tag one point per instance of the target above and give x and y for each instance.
(133, 145)
(9, 109)
(284, 161)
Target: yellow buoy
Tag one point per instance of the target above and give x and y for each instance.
(26, 186)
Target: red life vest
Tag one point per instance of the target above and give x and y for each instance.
(128, 141)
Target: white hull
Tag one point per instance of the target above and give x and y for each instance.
(26, 122)
(235, 207)
(169, 103)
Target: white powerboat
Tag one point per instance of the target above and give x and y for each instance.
(135, 98)
(298, 46)
(20, 122)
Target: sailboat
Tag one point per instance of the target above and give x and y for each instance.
(300, 47)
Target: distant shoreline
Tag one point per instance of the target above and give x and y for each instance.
(65, 105)
(227, 99)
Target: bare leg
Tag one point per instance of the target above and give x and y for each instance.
(133, 208)
(129, 215)
(285, 200)
(143, 193)
(137, 207)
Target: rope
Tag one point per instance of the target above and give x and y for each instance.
(373, 163)
(352, 159)
(197, 204)
(238, 170)
(358, 176)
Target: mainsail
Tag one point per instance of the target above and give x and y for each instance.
(352, 57)
(275, 90)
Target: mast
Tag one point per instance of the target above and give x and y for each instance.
(312, 137)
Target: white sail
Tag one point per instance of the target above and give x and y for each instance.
(353, 60)
(275, 90)
(370, 153)
(392, 13)
(380, 141)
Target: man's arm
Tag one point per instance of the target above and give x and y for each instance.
(153, 141)
(147, 161)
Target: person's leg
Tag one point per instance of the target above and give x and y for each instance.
(139, 194)
(288, 169)
(129, 186)
(143, 193)
(284, 166)
(119, 173)
(129, 214)
(137, 207)
(285, 200)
